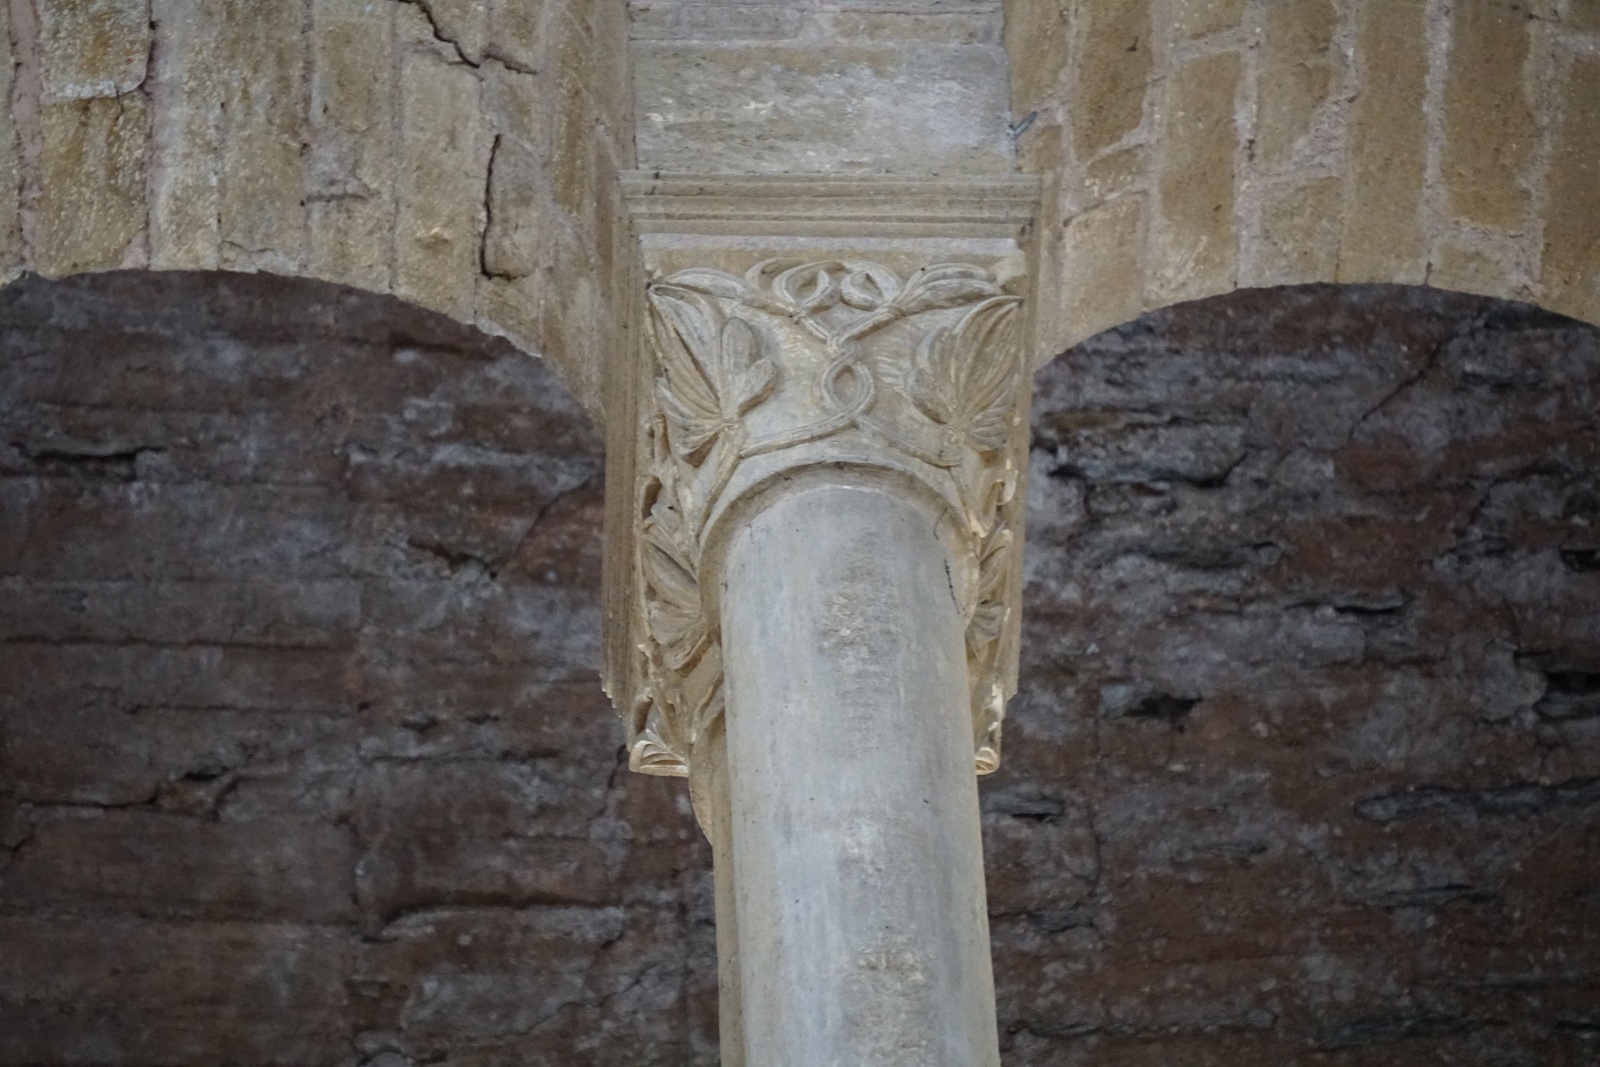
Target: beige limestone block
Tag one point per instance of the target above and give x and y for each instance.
(516, 34)
(1571, 264)
(1102, 272)
(91, 183)
(1036, 40)
(10, 162)
(186, 91)
(350, 166)
(1299, 234)
(263, 220)
(464, 24)
(977, 26)
(516, 203)
(513, 307)
(1039, 151)
(1112, 176)
(1113, 71)
(1383, 239)
(1299, 67)
(1468, 270)
(572, 180)
(93, 48)
(518, 104)
(1192, 19)
(851, 107)
(574, 313)
(440, 184)
(1194, 241)
(1583, 15)
(1489, 128)
(610, 78)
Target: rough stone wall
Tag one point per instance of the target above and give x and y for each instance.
(460, 154)
(821, 86)
(1305, 768)
(1193, 147)
(303, 753)
(303, 757)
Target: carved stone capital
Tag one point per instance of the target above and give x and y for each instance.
(772, 361)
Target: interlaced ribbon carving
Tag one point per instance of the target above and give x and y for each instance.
(962, 383)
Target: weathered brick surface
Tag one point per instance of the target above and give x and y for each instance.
(1303, 769)
(303, 758)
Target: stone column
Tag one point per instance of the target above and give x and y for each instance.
(857, 859)
(820, 625)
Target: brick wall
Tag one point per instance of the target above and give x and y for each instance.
(303, 757)
(1305, 768)
(303, 754)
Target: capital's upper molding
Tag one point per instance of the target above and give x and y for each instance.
(830, 205)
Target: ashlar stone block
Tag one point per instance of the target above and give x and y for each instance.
(1037, 35)
(93, 48)
(350, 169)
(1194, 239)
(1488, 123)
(440, 184)
(1572, 234)
(1383, 239)
(1299, 67)
(91, 202)
(1113, 70)
(1299, 234)
(1192, 19)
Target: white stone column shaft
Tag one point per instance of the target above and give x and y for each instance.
(858, 865)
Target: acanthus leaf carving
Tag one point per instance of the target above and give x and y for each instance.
(711, 337)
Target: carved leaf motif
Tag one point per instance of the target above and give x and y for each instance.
(989, 615)
(946, 285)
(669, 558)
(712, 372)
(658, 749)
(966, 377)
(711, 282)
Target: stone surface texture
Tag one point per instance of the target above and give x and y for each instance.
(1193, 147)
(303, 757)
(909, 87)
(461, 154)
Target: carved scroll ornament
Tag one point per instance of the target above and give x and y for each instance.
(927, 368)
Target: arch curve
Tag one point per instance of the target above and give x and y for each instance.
(1195, 147)
(457, 156)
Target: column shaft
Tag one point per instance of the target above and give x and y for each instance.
(858, 864)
